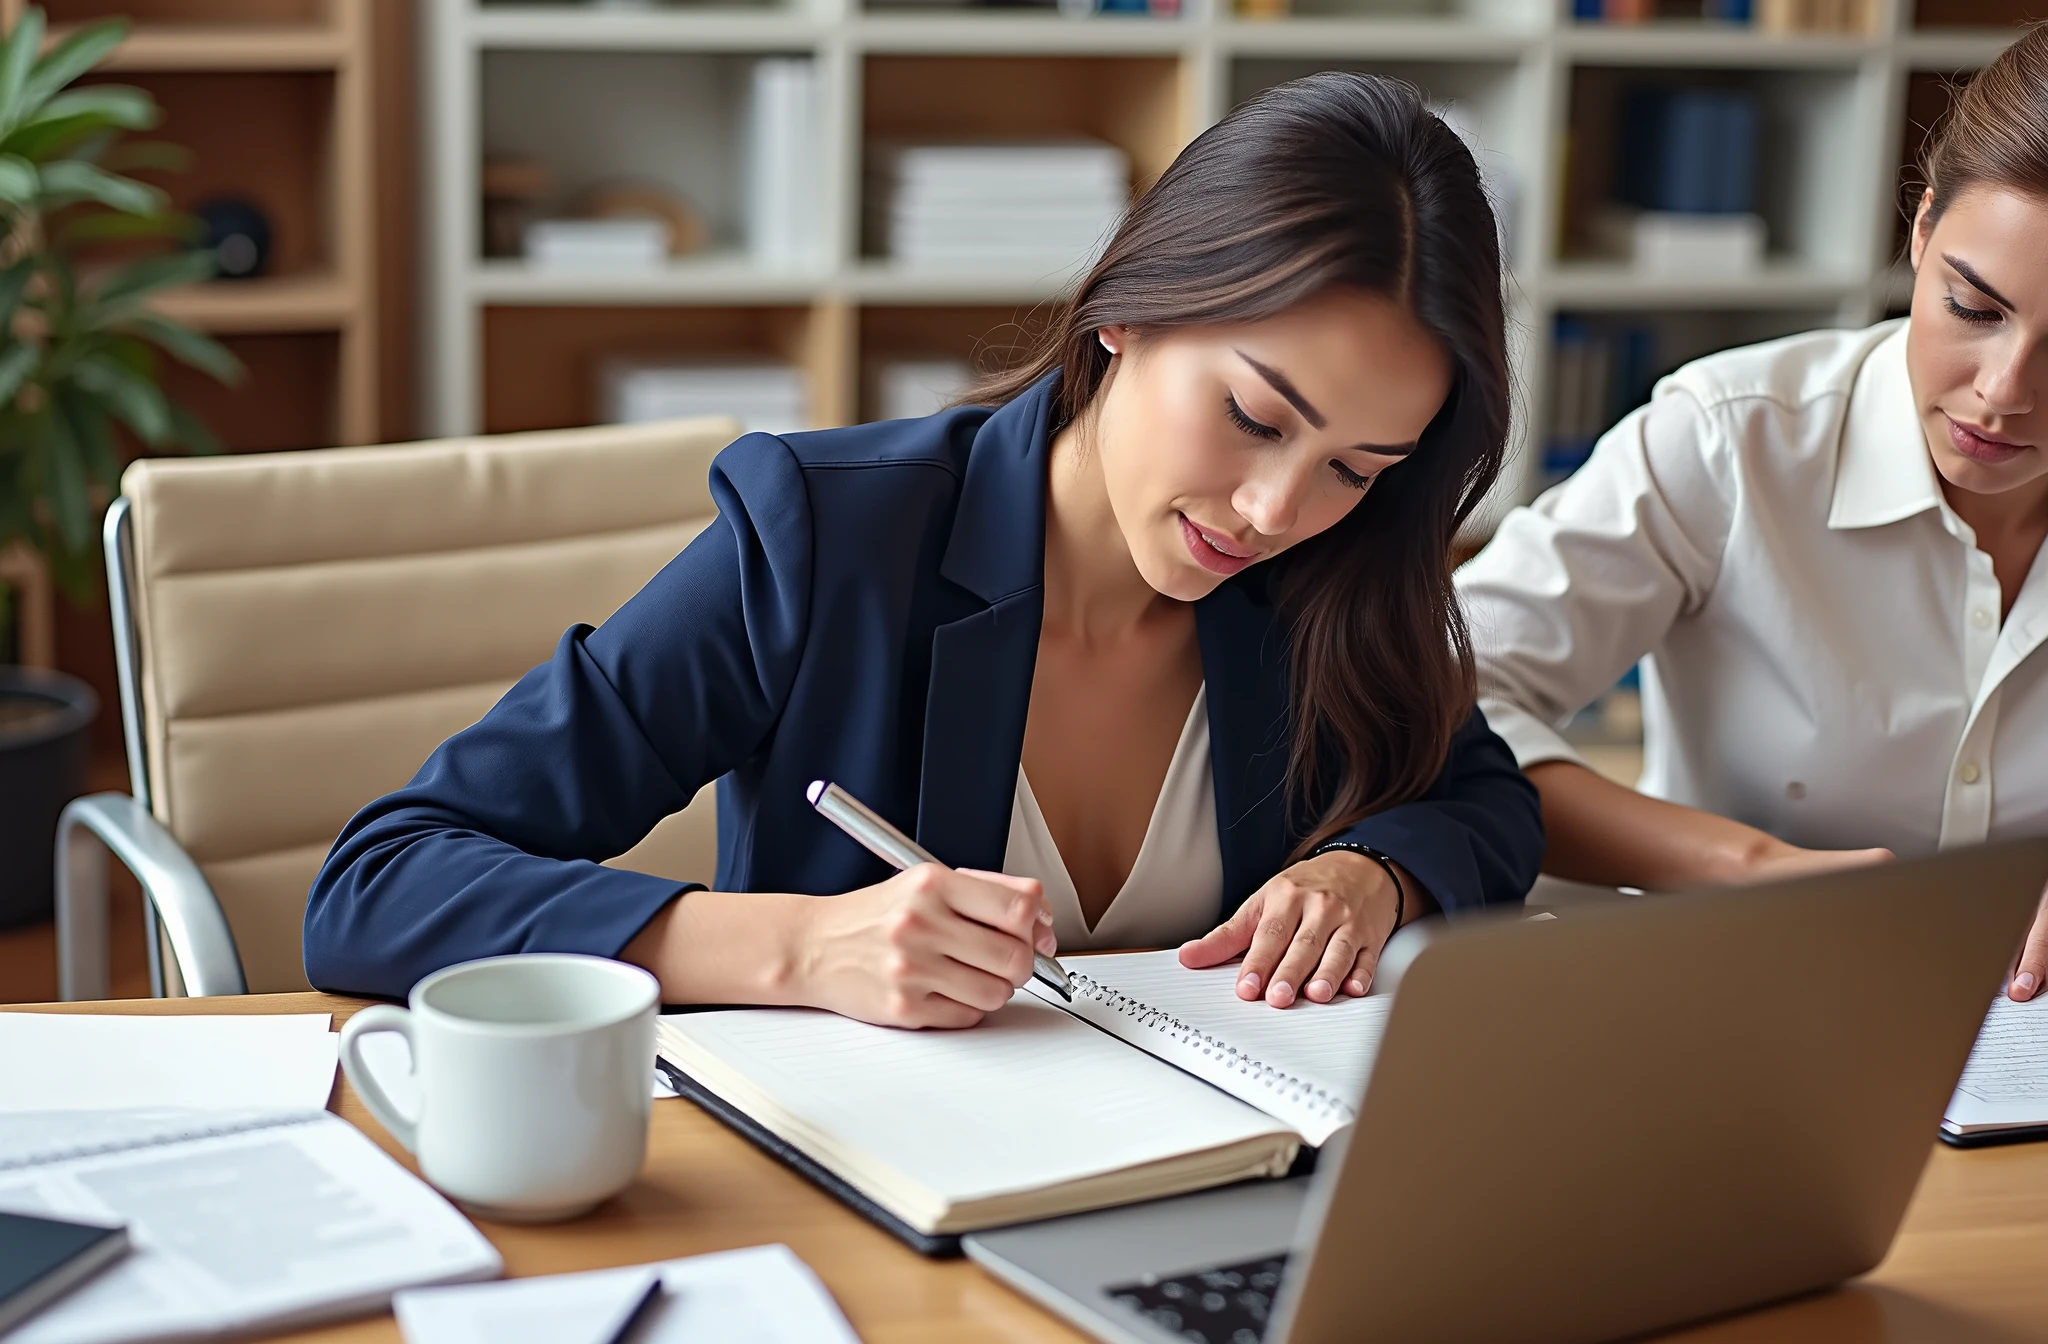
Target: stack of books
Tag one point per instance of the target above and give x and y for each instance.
(1035, 206)
(784, 165)
(768, 397)
(1686, 177)
(1771, 16)
(1598, 375)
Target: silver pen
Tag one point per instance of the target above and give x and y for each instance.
(899, 851)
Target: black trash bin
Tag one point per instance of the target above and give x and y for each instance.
(45, 729)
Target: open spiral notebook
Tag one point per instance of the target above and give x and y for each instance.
(1155, 1081)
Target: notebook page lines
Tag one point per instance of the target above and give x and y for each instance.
(1028, 1098)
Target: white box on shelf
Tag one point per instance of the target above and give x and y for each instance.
(767, 397)
(783, 165)
(1017, 205)
(597, 244)
(1674, 244)
(906, 389)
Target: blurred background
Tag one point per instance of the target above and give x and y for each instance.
(461, 216)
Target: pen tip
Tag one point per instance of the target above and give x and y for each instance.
(815, 792)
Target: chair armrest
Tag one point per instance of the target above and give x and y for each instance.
(173, 889)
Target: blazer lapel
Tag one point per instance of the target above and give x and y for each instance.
(980, 690)
(1244, 663)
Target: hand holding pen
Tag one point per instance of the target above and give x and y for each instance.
(963, 938)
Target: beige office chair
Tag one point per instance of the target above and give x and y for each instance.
(296, 632)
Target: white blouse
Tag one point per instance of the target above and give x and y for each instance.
(1823, 655)
(1175, 888)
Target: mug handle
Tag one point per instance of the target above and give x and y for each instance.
(376, 1018)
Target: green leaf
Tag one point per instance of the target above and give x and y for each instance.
(70, 180)
(120, 105)
(104, 224)
(19, 181)
(148, 156)
(136, 401)
(90, 430)
(71, 58)
(139, 279)
(190, 432)
(16, 363)
(17, 58)
(189, 347)
(70, 496)
(13, 284)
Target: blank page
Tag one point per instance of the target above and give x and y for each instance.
(925, 1121)
(1306, 1065)
(79, 1062)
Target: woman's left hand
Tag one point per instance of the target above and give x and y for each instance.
(1320, 923)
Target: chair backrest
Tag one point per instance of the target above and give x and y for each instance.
(309, 626)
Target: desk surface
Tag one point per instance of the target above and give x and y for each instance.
(1969, 1267)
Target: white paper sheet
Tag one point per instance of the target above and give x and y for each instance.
(284, 1221)
(88, 1062)
(761, 1295)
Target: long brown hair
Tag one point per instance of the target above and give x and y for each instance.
(1333, 180)
(1996, 135)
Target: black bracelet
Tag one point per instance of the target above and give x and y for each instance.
(1393, 873)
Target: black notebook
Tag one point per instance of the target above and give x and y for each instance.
(41, 1259)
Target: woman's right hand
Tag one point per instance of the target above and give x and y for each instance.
(929, 947)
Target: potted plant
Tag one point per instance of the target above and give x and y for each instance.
(79, 352)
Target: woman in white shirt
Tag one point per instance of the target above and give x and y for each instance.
(1823, 550)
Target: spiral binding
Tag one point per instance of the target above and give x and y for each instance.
(124, 1139)
(1289, 1088)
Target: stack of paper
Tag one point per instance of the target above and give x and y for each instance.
(1038, 206)
(783, 165)
(770, 398)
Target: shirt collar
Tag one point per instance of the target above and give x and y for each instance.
(1883, 473)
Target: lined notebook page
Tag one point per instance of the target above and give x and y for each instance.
(1306, 1065)
(1030, 1098)
(2005, 1083)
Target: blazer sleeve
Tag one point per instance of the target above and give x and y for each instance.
(497, 843)
(1476, 838)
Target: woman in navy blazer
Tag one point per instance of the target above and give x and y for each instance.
(1235, 466)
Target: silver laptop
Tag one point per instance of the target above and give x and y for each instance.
(1589, 1127)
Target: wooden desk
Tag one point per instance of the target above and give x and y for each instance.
(1969, 1267)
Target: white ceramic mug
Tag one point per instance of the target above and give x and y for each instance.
(534, 1075)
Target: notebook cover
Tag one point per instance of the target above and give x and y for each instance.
(945, 1245)
(1992, 1138)
(43, 1258)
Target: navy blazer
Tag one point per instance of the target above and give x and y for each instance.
(865, 608)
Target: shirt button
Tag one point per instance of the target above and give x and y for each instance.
(1970, 773)
(1981, 618)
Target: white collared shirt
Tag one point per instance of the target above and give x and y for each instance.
(1823, 656)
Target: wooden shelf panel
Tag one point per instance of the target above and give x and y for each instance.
(1954, 49)
(312, 303)
(229, 47)
(711, 278)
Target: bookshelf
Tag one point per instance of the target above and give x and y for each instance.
(509, 347)
(274, 100)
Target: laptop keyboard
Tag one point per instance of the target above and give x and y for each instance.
(1225, 1305)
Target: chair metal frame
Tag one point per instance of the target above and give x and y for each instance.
(178, 904)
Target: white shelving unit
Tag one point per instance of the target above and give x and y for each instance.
(656, 91)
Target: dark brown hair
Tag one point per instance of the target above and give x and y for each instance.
(1996, 134)
(1336, 180)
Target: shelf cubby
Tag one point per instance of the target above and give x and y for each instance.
(987, 338)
